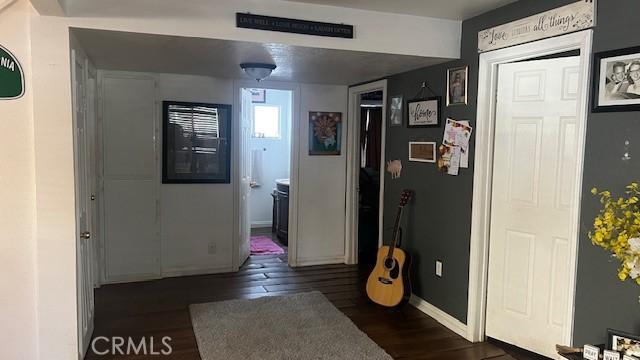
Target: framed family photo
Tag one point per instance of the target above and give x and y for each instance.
(424, 112)
(625, 343)
(616, 83)
(457, 85)
(395, 115)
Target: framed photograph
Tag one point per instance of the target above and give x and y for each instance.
(424, 112)
(422, 151)
(616, 81)
(325, 133)
(395, 116)
(457, 86)
(625, 343)
(258, 96)
(196, 146)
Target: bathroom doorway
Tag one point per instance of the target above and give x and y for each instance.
(266, 124)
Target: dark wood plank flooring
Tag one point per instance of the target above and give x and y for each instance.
(160, 308)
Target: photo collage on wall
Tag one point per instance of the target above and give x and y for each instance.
(453, 153)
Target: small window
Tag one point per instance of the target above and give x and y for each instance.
(196, 143)
(266, 121)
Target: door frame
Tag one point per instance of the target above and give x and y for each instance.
(292, 249)
(353, 167)
(481, 209)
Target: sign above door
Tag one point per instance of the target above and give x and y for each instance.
(305, 27)
(563, 20)
(11, 76)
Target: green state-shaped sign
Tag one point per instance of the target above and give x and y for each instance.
(11, 76)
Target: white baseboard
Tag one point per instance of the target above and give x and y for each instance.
(320, 261)
(167, 273)
(261, 224)
(121, 279)
(440, 316)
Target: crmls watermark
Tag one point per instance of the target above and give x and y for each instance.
(118, 345)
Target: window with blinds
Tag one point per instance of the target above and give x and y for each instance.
(196, 142)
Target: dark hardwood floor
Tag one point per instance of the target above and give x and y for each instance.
(160, 308)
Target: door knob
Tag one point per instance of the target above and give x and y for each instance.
(93, 197)
(85, 235)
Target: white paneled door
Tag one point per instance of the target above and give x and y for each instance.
(131, 179)
(246, 118)
(84, 249)
(533, 178)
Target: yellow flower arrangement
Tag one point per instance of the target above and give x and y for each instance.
(617, 229)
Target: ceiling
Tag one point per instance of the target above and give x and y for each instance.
(114, 50)
(445, 9)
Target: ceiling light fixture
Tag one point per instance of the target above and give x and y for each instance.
(258, 71)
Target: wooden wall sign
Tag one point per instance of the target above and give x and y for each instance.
(563, 20)
(11, 76)
(305, 27)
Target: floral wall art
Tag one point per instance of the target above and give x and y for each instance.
(325, 133)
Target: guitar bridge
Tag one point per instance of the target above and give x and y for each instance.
(385, 281)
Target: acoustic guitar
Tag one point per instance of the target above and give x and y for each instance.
(388, 284)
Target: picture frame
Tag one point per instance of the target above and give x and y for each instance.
(196, 152)
(258, 96)
(457, 85)
(614, 88)
(424, 112)
(396, 110)
(325, 133)
(422, 151)
(623, 342)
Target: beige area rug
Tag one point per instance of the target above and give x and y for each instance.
(300, 326)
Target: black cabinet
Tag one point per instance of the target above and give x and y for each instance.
(281, 212)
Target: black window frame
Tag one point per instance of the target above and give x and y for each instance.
(227, 124)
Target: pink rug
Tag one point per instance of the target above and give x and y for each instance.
(263, 245)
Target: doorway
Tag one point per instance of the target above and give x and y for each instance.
(366, 146)
(534, 161)
(531, 130)
(266, 116)
(369, 179)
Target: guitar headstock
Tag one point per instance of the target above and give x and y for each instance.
(405, 196)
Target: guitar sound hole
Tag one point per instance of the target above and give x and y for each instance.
(389, 263)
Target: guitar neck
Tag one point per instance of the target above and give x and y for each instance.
(396, 229)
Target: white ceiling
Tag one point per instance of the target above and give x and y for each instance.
(445, 9)
(113, 50)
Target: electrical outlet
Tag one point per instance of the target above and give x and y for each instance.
(212, 248)
(438, 268)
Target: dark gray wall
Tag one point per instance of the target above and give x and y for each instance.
(438, 222)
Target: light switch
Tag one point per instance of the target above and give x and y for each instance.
(438, 268)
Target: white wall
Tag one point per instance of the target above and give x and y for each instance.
(55, 189)
(374, 31)
(192, 216)
(322, 182)
(275, 159)
(195, 215)
(18, 329)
